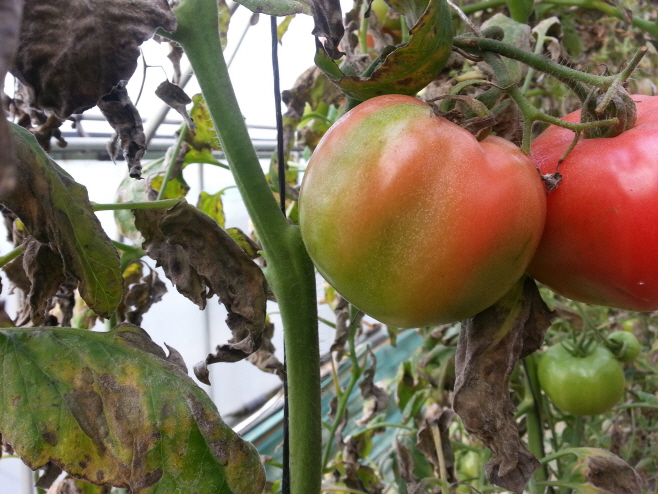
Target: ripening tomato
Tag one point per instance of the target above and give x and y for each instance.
(412, 219)
(581, 385)
(599, 243)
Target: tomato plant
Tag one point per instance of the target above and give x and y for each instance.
(581, 385)
(434, 225)
(598, 243)
(629, 345)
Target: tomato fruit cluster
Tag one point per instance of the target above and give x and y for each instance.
(581, 385)
(601, 228)
(412, 219)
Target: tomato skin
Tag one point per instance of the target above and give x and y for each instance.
(631, 348)
(413, 220)
(581, 385)
(601, 228)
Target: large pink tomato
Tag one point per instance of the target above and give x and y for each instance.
(600, 241)
(412, 219)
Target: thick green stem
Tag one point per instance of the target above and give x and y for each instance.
(533, 417)
(165, 204)
(290, 272)
(11, 255)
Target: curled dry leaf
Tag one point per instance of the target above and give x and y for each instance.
(370, 391)
(55, 210)
(69, 485)
(136, 419)
(264, 357)
(405, 462)
(201, 260)
(142, 291)
(11, 12)
(124, 118)
(490, 344)
(72, 52)
(50, 474)
(175, 97)
(426, 443)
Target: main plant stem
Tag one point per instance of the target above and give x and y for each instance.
(289, 271)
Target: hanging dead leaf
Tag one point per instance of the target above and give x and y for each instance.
(142, 291)
(72, 52)
(56, 211)
(10, 21)
(370, 391)
(45, 271)
(176, 98)
(124, 118)
(490, 344)
(201, 259)
(427, 444)
(136, 419)
(264, 357)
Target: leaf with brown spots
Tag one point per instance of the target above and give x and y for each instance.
(406, 69)
(490, 345)
(112, 408)
(72, 52)
(56, 211)
(201, 259)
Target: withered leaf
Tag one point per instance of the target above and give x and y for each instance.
(72, 52)
(175, 97)
(490, 344)
(142, 291)
(45, 270)
(264, 357)
(426, 443)
(136, 419)
(49, 476)
(405, 462)
(175, 55)
(10, 21)
(69, 485)
(370, 391)
(201, 259)
(56, 211)
(124, 118)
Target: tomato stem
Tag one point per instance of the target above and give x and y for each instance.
(11, 255)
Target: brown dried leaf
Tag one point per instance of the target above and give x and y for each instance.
(176, 98)
(370, 391)
(175, 55)
(613, 475)
(426, 444)
(50, 474)
(264, 357)
(72, 52)
(201, 259)
(124, 118)
(328, 19)
(405, 462)
(10, 21)
(45, 270)
(490, 344)
(142, 291)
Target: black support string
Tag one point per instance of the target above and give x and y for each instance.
(285, 482)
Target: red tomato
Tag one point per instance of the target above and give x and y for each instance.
(599, 243)
(412, 219)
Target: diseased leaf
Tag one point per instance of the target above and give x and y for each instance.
(72, 52)
(370, 391)
(211, 204)
(140, 191)
(490, 344)
(205, 136)
(246, 243)
(111, 408)
(426, 443)
(326, 14)
(176, 98)
(56, 211)
(44, 269)
(49, 476)
(142, 291)
(11, 12)
(406, 69)
(69, 485)
(201, 260)
(224, 14)
(602, 472)
(411, 9)
(264, 357)
(124, 118)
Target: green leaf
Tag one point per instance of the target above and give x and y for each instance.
(516, 34)
(56, 211)
(112, 408)
(407, 69)
(283, 27)
(211, 204)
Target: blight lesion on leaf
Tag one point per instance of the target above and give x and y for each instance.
(114, 409)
